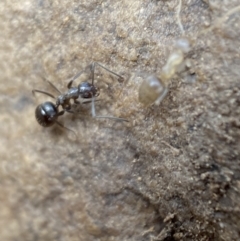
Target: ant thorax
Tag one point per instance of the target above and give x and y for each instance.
(64, 99)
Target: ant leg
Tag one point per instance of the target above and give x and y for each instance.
(120, 78)
(88, 101)
(84, 101)
(161, 97)
(61, 112)
(106, 117)
(61, 125)
(92, 68)
(77, 102)
(64, 127)
(43, 92)
(110, 71)
(70, 111)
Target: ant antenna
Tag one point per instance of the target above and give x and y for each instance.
(92, 69)
(73, 78)
(51, 84)
(64, 127)
(43, 92)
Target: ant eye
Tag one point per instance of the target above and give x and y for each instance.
(46, 114)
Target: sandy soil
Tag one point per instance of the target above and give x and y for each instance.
(171, 173)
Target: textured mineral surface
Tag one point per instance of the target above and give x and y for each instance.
(171, 173)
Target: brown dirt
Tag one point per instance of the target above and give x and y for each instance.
(171, 173)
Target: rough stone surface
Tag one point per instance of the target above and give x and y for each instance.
(171, 173)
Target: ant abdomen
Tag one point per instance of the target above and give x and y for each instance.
(151, 90)
(46, 114)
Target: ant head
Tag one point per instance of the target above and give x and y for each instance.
(46, 114)
(87, 90)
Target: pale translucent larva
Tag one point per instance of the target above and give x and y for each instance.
(174, 60)
(152, 90)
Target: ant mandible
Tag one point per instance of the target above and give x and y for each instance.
(47, 113)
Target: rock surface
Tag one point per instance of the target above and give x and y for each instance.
(171, 173)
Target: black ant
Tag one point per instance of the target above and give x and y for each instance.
(47, 113)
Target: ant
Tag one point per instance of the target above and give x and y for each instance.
(47, 113)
